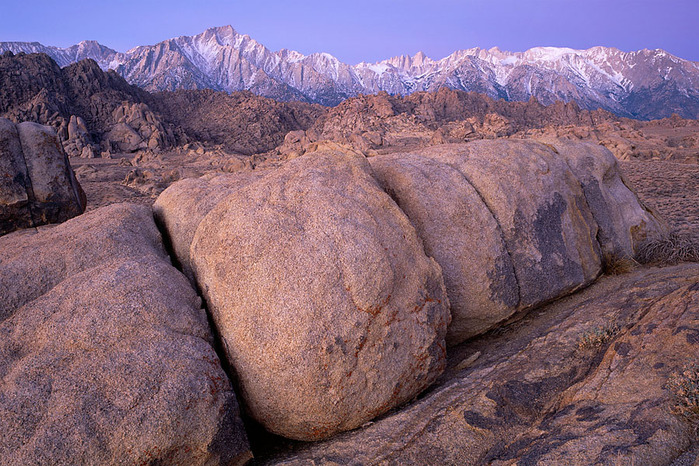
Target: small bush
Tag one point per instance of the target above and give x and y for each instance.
(684, 386)
(669, 250)
(597, 336)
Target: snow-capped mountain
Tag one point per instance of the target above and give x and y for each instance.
(643, 84)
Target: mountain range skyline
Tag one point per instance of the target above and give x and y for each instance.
(87, 43)
(644, 84)
(369, 30)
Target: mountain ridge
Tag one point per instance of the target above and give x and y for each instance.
(643, 84)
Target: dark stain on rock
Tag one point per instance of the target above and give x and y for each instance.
(658, 365)
(692, 335)
(589, 413)
(650, 328)
(622, 348)
(555, 272)
(636, 331)
(694, 287)
(644, 430)
(479, 421)
(611, 452)
(526, 400)
(550, 418)
(600, 210)
(530, 450)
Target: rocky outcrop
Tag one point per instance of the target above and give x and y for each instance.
(79, 142)
(586, 381)
(241, 122)
(515, 224)
(83, 103)
(38, 184)
(136, 127)
(624, 222)
(389, 123)
(314, 277)
(106, 354)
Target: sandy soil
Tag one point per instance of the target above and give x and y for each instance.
(671, 188)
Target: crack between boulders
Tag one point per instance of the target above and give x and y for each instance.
(219, 345)
(73, 182)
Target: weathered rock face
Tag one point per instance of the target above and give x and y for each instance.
(38, 185)
(540, 207)
(329, 309)
(181, 207)
(624, 222)
(460, 233)
(543, 390)
(507, 220)
(79, 142)
(106, 355)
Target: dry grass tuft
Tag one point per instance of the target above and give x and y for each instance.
(684, 386)
(616, 265)
(597, 336)
(669, 250)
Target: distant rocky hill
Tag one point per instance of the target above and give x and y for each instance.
(645, 84)
(241, 122)
(92, 110)
(95, 111)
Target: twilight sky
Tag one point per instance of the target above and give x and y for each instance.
(366, 30)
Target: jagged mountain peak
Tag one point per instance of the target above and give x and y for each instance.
(643, 84)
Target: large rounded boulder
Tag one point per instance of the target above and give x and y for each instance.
(183, 205)
(37, 185)
(328, 308)
(106, 356)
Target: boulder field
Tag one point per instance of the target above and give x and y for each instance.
(340, 288)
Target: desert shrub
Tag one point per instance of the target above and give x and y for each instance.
(597, 336)
(617, 265)
(684, 386)
(669, 250)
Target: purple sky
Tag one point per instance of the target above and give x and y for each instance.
(367, 30)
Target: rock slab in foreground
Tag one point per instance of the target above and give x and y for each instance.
(535, 395)
(37, 184)
(329, 309)
(106, 356)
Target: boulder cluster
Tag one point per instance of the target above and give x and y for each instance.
(336, 284)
